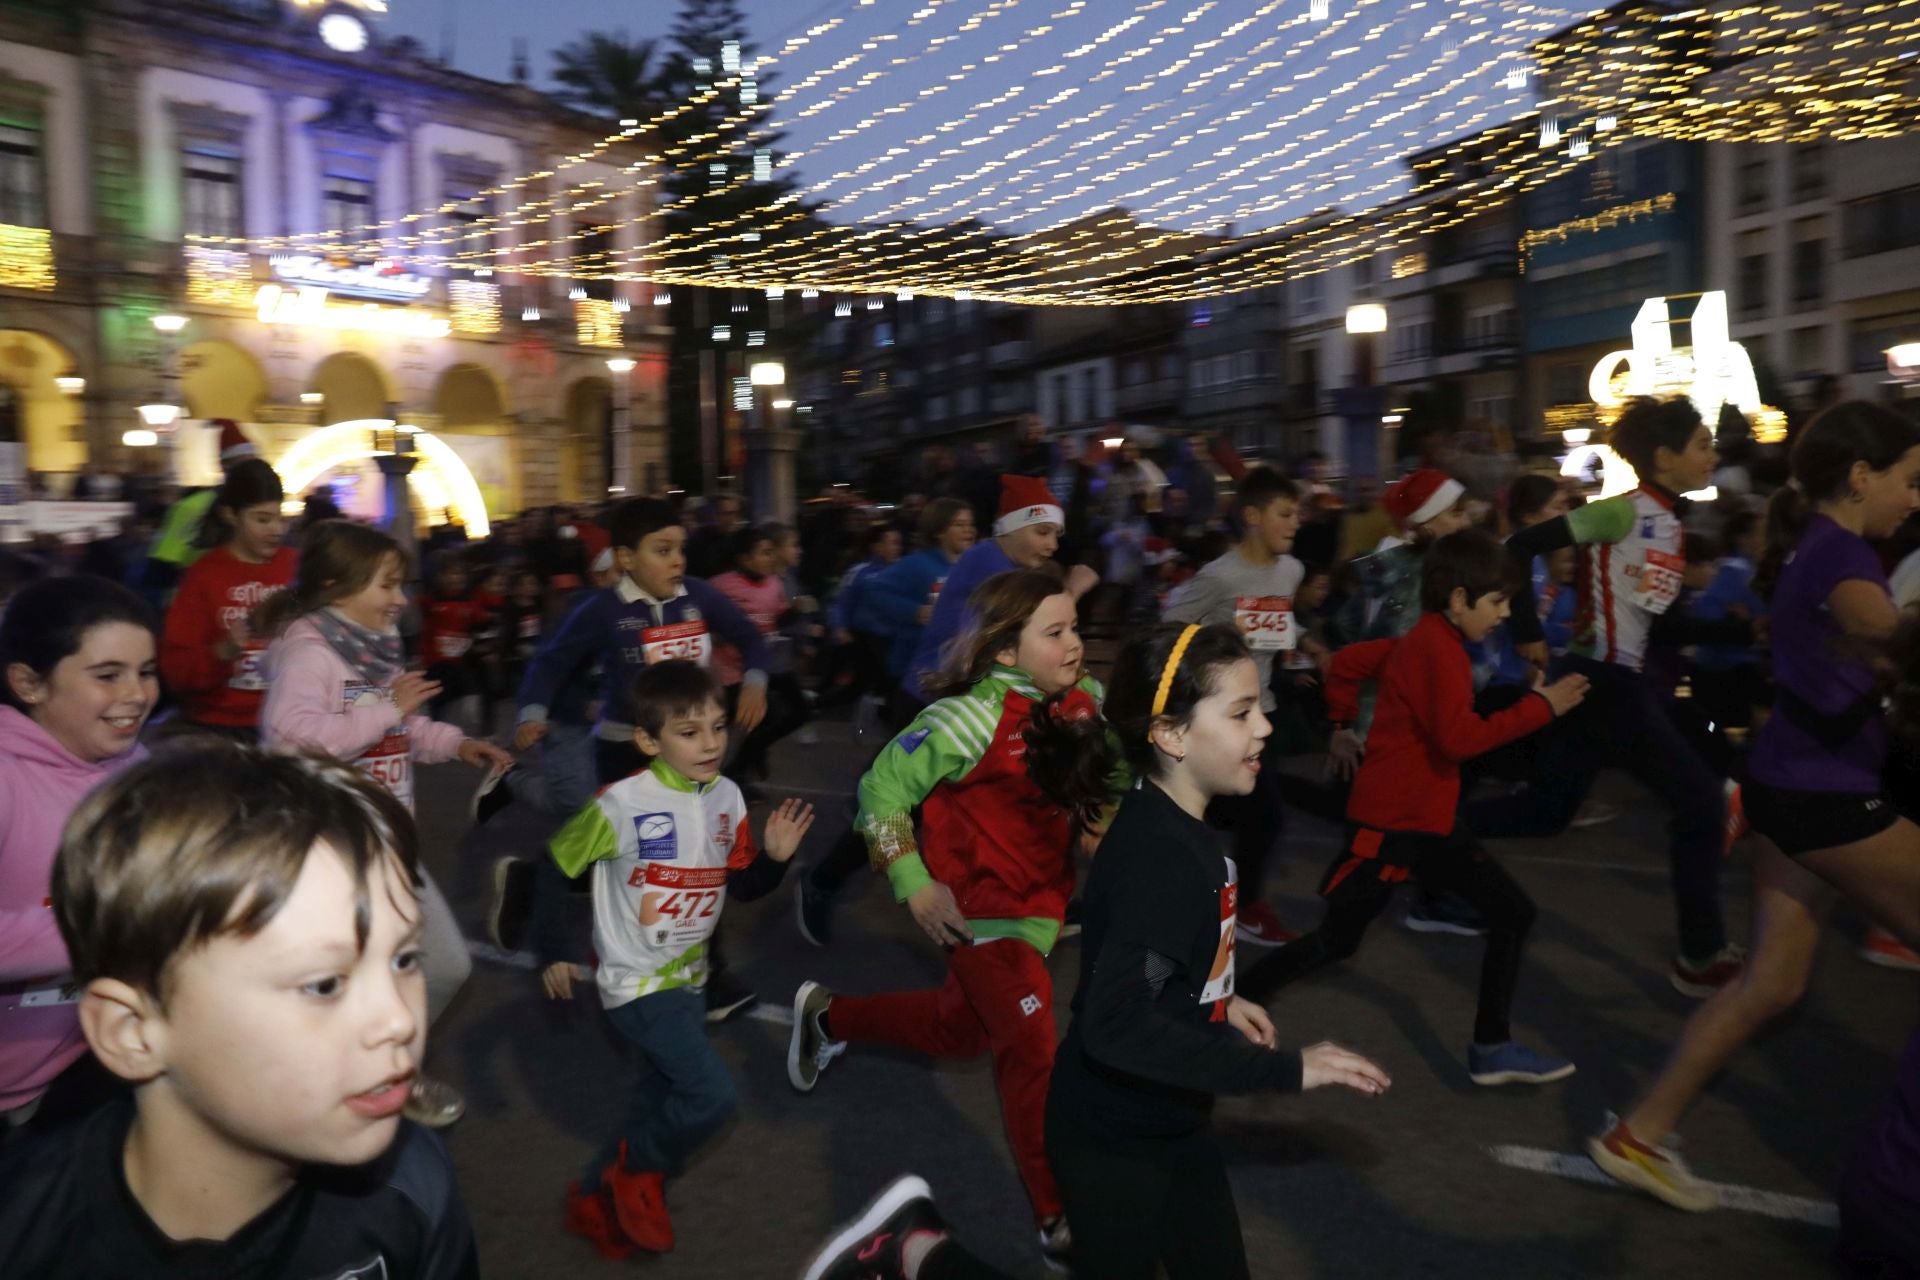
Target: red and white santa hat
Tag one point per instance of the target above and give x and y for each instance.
(1421, 496)
(1026, 500)
(234, 444)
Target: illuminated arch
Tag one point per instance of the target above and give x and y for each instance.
(313, 456)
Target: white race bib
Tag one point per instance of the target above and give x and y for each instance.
(689, 641)
(446, 648)
(246, 670)
(1220, 978)
(680, 906)
(1661, 575)
(390, 760)
(1265, 622)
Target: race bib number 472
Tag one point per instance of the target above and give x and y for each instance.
(680, 905)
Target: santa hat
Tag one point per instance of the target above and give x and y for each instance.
(1026, 500)
(1421, 496)
(234, 444)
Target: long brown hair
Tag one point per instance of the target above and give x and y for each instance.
(338, 558)
(1071, 758)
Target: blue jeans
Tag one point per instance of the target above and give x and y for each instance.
(566, 762)
(684, 1094)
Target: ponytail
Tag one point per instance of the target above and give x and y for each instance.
(1787, 514)
(1072, 759)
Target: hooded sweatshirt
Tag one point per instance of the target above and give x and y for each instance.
(317, 701)
(41, 784)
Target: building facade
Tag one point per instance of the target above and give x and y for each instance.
(167, 157)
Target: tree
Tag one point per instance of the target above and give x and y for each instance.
(609, 75)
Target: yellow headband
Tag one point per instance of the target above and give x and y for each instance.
(1173, 668)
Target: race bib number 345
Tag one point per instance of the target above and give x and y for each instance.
(1265, 621)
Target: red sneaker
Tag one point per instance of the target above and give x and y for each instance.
(1736, 820)
(1703, 979)
(590, 1216)
(1887, 951)
(1257, 924)
(639, 1204)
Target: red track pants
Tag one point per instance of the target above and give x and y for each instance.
(998, 997)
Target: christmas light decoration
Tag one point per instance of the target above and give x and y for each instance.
(596, 323)
(1601, 221)
(219, 277)
(309, 308)
(474, 307)
(26, 257)
(342, 443)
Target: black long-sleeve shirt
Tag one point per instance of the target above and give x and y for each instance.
(1149, 1045)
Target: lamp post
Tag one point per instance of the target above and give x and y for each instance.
(161, 415)
(770, 446)
(1360, 404)
(622, 368)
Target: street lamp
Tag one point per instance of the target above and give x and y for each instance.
(768, 373)
(139, 438)
(159, 414)
(622, 369)
(169, 323)
(1366, 317)
(70, 384)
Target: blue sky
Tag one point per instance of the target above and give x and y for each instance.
(1192, 113)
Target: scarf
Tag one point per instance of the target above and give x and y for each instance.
(376, 656)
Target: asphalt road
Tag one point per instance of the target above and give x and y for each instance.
(1329, 1184)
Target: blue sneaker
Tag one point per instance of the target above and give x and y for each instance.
(1513, 1063)
(1444, 913)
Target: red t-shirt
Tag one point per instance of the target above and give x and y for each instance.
(447, 628)
(217, 591)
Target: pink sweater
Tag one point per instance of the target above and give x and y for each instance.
(41, 783)
(763, 602)
(315, 701)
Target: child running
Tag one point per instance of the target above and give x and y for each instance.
(209, 653)
(1813, 792)
(338, 685)
(666, 846)
(1008, 760)
(245, 932)
(1157, 1030)
(1403, 817)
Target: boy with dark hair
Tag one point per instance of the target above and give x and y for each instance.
(245, 935)
(1403, 817)
(666, 847)
(1251, 588)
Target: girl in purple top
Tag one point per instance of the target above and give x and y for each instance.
(1813, 794)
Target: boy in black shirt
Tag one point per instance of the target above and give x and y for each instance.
(244, 933)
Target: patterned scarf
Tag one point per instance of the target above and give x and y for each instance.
(376, 655)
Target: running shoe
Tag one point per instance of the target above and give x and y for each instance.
(639, 1204)
(813, 910)
(1736, 819)
(512, 910)
(590, 1216)
(1657, 1170)
(1070, 919)
(434, 1103)
(1595, 813)
(727, 996)
(872, 1246)
(1444, 913)
(494, 794)
(1056, 1243)
(1511, 1062)
(1259, 925)
(1887, 951)
(811, 1050)
(1701, 979)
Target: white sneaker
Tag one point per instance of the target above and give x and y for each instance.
(809, 1050)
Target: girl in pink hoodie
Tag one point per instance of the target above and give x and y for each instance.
(337, 684)
(80, 677)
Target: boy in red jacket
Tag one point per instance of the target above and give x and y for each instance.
(1403, 816)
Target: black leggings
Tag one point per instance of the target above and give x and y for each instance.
(1136, 1202)
(1361, 880)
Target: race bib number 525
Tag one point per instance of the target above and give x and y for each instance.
(680, 640)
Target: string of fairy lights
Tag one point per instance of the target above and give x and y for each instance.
(1119, 168)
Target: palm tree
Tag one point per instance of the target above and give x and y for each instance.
(608, 74)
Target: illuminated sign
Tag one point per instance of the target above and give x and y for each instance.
(314, 455)
(385, 279)
(310, 308)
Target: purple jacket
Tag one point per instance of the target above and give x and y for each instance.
(41, 784)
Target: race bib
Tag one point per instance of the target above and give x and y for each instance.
(530, 627)
(48, 997)
(390, 760)
(448, 647)
(688, 641)
(1265, 622)
(1219, 986)
(1658, 585)
(679, 906)
(246, 670)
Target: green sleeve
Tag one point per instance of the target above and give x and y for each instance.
(942, 745)
(1608, 520)
(586, 839)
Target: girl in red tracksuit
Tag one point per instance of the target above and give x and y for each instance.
(1006, 763)
(209, 654)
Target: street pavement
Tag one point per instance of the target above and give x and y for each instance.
(1438, 1178)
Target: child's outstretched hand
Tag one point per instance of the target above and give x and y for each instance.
(1327, 1063)
(557, 979)
(1251, 1021)
(1564, 694)
(786, 827)
(482, 754)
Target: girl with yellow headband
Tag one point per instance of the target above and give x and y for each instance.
(1157, 1029)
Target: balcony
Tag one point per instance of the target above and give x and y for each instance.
(1480, 260)
(1002, 354)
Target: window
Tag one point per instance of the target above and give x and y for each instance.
(1807, 165)
(1307, 292)
(1062, 395)
(1090, 393)
(1752, 290)
(210, 194)
(1413, 340)
(1490, 329)
(1490, 409)
(883, 334)
(1363, 273)
(1246, 366)
(593, 255)
(22, 198)
(346, 203)
(1809, 264)
(1567, 384)
(1870, 336)
(1807, 351)
(1306, 380)
(467, 219)
(1883, 223)
(967, 403)
(1586, 293)
(1752, 180)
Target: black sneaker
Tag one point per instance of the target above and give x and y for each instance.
(870, 1247)
(727, 996)
(813, 910)
(1444, 913)
(512, 908)
(495, 793)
